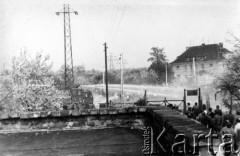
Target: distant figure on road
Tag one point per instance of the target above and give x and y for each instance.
(189, 108)
(189, 111)
(218, 111)
(110, 103)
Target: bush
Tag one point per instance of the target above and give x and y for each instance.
(30, 87)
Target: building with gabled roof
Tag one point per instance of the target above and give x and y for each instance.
(200, 63)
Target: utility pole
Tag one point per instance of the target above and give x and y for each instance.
(121, 57)
(111, 67)
(111, 60)
(166, 75)
(106, 73)
(68, 59)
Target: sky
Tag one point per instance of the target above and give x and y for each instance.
(131, 27)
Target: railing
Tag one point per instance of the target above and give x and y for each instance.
(117, 105)
(166, 102)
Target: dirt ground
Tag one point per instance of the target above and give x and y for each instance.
(116, 141)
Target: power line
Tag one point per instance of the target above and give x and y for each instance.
(90, 32)
(122, 62)
(113, 20)
(114, 36)
(104, 8)
(110, 23)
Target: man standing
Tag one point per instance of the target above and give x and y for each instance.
(228, 129)
(189, 107)
(196, 110)
(219, 118)
(218, 111)
(189, 111)
(229, 117)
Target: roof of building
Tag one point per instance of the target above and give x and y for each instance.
(203, 53)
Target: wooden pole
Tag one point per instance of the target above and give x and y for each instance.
(199, 98)
(122, 99)
(184, 102)
(106, 74)
(166, 75)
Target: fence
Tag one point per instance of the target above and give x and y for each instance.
(167, 102)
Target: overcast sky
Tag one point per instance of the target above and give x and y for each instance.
(131, 27)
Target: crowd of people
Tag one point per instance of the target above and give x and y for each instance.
(211, 119)
(215, 119)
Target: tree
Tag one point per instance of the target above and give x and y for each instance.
(235, 41)
(228, 85)
(157, 56)
(28, 69)
(158, 65)
(79, 70)
(30, 87)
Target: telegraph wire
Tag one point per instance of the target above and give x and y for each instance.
(113, 25)
(90, 32)
(105, 8)
(112, 21)
(111, 18)
(115, 34)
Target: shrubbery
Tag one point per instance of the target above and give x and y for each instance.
(29, 87)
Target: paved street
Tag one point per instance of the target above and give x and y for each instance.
(120, 141)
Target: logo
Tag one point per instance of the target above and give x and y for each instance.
(179, 145)
(147, 140)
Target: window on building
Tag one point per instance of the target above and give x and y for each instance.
(201, 58)
(191, 67)
(177, 67)
(211, 65)
(202, 65)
